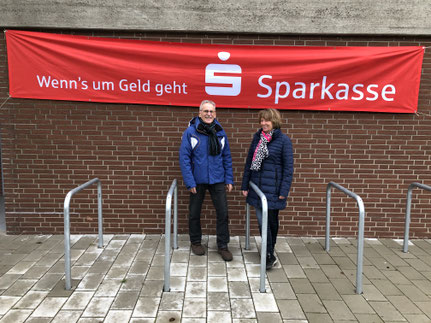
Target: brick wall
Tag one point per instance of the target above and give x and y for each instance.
(50, 147)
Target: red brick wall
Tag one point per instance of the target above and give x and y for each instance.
(50, 147)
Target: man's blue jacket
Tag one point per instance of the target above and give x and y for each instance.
(197, 165)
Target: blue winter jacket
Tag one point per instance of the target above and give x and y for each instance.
(275, 175)
(197, 165)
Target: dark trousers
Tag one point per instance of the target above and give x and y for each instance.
(218, 196)
(272, 228)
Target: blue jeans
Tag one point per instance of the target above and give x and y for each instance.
(272, 228)
(219, 199)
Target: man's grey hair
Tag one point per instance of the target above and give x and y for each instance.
(205, 102)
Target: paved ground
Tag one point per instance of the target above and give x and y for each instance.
(123, 282)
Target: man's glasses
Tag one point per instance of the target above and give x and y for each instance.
(208, 111)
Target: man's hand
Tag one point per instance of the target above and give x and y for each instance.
(229, 187)
(193, 190)
(245, 193)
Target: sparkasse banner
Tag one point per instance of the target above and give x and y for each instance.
(81, 68)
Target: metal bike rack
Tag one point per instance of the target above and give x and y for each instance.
(264, 233)
(360, 229)
(408, 207)
(173, 190)
(67, 224)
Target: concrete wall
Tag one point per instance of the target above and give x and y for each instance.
(405, 17)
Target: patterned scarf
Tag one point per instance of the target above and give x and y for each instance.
(261, 151)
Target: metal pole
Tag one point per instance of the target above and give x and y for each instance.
(360, 256)
(264, 235)
(167, 286)
(247, 227)
(67, 241)
(360, 229)
(176, 215)
(408, 208)
(328, 217)
(264, 244)
(67, 199)
(167, 271)
(99, 213)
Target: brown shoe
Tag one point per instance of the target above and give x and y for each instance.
(197, 249)
(225, 254)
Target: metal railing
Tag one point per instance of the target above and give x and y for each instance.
(173, 190)
(360, 254)
(67, 224)
(264, 233)
(408, 208)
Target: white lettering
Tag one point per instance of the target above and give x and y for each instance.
(375, 95)
(301, 89)
(325, 89)
(385, 92)
(345, 91)
(268, 88)
(277, 91)
(359, 92)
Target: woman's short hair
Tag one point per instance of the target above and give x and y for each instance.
(271, 115)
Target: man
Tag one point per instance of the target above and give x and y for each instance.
(206, 164)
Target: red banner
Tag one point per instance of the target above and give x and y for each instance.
(80, 68)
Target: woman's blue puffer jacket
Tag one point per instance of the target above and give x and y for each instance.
(275, 175)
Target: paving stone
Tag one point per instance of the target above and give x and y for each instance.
(218, 316)
(290, 309)
(35, 272)
(98, 307)
(242, 308)
(152, 288)
(302, 286)
(326, 291)
(294, 271)
(318, 318)
(31, 300)
(283, 291)
(311, 303)
(47, 282)
(196, 289)
(236, 274)
(115, 316)
(20, 287)
(357, 304)
(67, 317)
(6, 303)
(126, 300)
(108, 287)
(404, 305)
(132, 282)
(386, 287)
(387, 311)
(413, 293)
(49, 307)
(198, 274)
(338, 310)
(343, 286)
(218, 301)
(172, 301)
(78, 300)
(239, 290)
(7, 280)
(194, 307)
(368, 318)
(15, 316)
(417, 318)
(264, 302)
(90, 281)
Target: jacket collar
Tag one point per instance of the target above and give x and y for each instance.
(195, 123)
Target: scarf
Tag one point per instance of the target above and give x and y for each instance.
(261, 151)
(209, 130)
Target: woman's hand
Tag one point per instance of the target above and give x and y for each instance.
(245, 193)
(282, 197)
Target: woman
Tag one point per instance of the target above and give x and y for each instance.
(269, 165)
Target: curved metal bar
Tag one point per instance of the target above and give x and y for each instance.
(264, 235)
(408, 208)
(67, 224)
(172, 191)
(361, 207)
